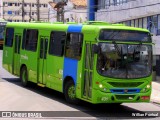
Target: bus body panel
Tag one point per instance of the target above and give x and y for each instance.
(26, 58)
(71, 65)
(8, 59)
(17, 44)
(8, 56)
(55, 72)
(42, 56)
(55, 65)
(86, 65)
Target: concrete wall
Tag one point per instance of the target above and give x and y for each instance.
(130, 10)
(13, 8)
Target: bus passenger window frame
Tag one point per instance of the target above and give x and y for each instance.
(57, 43)
(73, 48)
(30, 36)
(24, 39)
(9, 37)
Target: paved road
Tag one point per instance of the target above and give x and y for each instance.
(14, 97)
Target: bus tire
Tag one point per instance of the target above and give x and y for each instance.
(24, 76)
(69, 92)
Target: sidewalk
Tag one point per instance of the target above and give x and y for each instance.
(155, 96)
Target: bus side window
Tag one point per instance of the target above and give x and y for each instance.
(57, 41)
(31, 40)
(74, 44)
(9, 37)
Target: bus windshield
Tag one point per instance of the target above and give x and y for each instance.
(124, 35)
(124, 60)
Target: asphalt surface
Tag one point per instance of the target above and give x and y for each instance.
(14, 97)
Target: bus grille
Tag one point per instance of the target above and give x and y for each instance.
(125, 97)
(125, 84)
(125, 91)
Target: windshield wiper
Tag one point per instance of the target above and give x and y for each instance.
(117, 48)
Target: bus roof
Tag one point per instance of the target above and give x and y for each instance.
(59, 26)
(33, 25)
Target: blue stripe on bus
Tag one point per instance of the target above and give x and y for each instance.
(70, 68)
(125, 91)
(75, 28)
(71, 65)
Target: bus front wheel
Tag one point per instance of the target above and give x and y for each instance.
(70, 92)
(24, 76)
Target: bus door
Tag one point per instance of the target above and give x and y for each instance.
(88, 71)
(16, 64)
(42, 64)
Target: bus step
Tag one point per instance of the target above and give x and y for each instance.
(41, 85)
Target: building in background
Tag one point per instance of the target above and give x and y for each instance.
(136, 13)
(12, 10)
(74, 11)
(1, 8)
(16, 11)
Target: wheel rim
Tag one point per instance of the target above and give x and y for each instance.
(71, 92)
(24, 76)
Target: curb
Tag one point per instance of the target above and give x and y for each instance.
(155, 101)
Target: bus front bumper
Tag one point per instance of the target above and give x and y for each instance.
(103, 97)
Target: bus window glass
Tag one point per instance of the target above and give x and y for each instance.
(74, 45)
(46, 48)
(124, 35)
(31, 40)
(124, 60)
(16, 44)
(9, 37)
(41, 48)
(19, 44)
(57, 41)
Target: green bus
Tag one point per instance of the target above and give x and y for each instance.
(97, 62)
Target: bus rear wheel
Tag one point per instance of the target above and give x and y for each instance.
(24, 76)
(70, 92)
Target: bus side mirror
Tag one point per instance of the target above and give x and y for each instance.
(95, 49)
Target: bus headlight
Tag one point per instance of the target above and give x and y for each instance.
(100, 86)
(146, 88)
